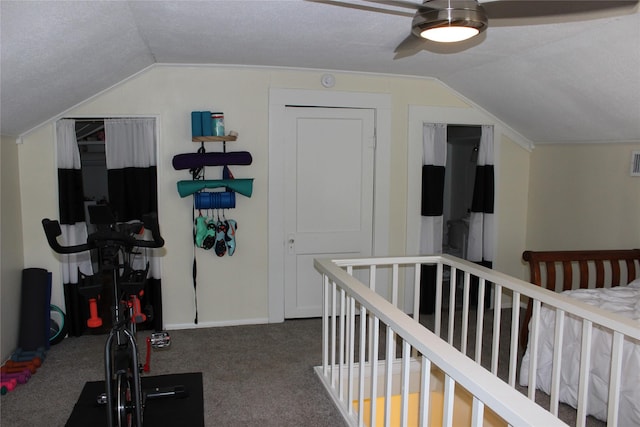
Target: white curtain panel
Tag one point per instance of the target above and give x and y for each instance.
(68, 157)
(131, 142)
(481, 223)
(67, 145)
(434, 152)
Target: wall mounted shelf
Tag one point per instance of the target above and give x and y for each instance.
(214, 138)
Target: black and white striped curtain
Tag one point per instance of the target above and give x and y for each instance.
(130, 146)
(72, 220)
(434, 159)
(481, 222)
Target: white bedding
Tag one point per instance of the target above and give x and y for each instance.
(623, 300)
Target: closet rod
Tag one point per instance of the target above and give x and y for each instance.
(100, 119)
(85, 119)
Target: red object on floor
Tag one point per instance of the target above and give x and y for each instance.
(94, 321)
(147, 365)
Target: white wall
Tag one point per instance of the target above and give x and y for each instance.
(583, 197)
(512, 188)
(231, 290)
(11, 260)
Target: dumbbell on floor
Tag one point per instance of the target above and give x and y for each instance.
(11, 366)
(7, 386)
(20, 355)
(20, 377)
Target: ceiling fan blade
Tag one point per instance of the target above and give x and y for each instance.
(363, 7)
(409, 46)
(399, 3)
(528, 12)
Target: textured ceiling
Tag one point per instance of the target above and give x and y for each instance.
(552, 82)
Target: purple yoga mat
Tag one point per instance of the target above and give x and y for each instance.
(198, 160)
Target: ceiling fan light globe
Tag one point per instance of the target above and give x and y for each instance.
(450, 24)
(449, 34)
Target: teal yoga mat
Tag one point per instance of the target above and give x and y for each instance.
(243, 186)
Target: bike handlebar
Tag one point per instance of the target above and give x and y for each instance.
(121, 235)
(150, 222)
(52, 231)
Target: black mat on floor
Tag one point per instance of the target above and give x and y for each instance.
(188, 411)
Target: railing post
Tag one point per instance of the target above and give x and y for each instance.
(614, 380)
(361, 364)
(515, 327)
(495, 345)
(333, 334)
(406, 350)
(325, 324)
(438, 312)
(585, 366)
(557, 362)
(425, 391)
(352, 335)
(373, 361)
(480, 319)
(341, 344)
(533, 349)
(452, 304)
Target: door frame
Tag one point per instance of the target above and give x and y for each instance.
(418, 115)
(279, 99)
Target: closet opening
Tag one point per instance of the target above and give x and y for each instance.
(463, 142)
(91, 137)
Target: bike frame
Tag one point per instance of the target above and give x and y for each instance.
(116, 241)
(123, 329)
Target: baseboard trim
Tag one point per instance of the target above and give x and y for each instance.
(215, 324)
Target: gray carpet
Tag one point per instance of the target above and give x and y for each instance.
(258, 375)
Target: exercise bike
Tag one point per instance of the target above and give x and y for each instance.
(117, 244)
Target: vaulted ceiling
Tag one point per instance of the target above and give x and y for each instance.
(576, 80)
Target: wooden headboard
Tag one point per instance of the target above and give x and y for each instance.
(561, 271)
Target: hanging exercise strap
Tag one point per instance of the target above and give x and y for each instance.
(196, 173)
(195, 267)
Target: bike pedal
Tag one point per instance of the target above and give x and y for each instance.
(160, 339)
(180, 392)
(102, 399)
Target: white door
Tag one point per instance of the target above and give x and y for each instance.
(328, 196)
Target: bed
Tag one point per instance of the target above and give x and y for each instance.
(385, 364)
(606, 279)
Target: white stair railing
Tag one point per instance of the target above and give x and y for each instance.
(374, 354)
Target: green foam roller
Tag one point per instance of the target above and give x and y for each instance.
(243, 186)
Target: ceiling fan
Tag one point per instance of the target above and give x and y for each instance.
(451, 21)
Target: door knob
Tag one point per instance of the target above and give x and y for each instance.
(291, 243)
